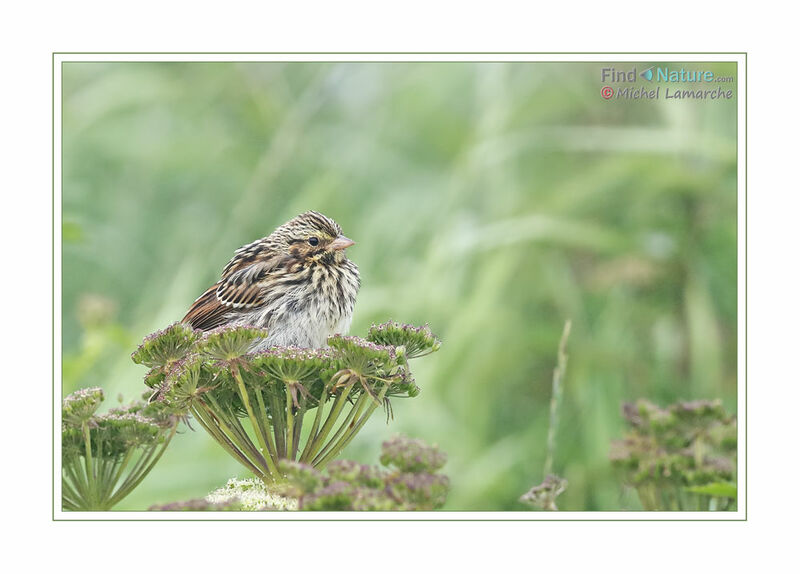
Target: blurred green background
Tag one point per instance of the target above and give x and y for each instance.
(492, 200)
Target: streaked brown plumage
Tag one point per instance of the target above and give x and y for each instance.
(297, 283)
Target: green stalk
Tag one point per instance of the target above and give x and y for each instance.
(355, 411)
(247, 442)
(289, 420)
(107, 467)
(298, 427)
(333, 414)
(345, 440)
(236, 434)
(120, 495)
(203, 418)
(555, 398)
(87, 440)
(70, 498)
(278, 425)
(142, 461)
(118, 474)
(67, 504)
(75, 471)
(271, 468)
(264, 426)
(315, 424)
(68, 490)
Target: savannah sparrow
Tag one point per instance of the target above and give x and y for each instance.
(296, 283)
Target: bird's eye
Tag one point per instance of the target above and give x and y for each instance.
(313, 241)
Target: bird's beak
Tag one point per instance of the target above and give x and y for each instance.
(340, 243)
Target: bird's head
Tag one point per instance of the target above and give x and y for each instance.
(312, 236)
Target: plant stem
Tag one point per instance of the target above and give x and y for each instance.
(118, 474)
(355, 411)
(298, 426)
(278, 425)
(264, 426)
(350, 434)
(70, 495)
(338, 404)
(289, 420)
(555, 399)
(224, 430)
(89, 464)
(229, 424)
(209, 425)
(323, 399)
(271, 468)
(122, 493)
(75, 471)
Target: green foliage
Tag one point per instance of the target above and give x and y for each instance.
(221, 384)
(493, 200)
(681, 457)
(104, 457)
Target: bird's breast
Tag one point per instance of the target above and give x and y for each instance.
(305, 313)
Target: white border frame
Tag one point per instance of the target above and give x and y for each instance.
(741, 94)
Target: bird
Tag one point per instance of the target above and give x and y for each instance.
(296, 283)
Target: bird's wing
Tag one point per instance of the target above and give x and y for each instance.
(207, 312)
(239, 290)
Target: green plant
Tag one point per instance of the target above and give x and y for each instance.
(104, 457)
(410, 483)
(543, 496)
(284, 403)
(682, 457)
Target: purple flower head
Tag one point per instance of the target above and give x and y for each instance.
(412, 455)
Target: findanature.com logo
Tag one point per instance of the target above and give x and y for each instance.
(665, 75)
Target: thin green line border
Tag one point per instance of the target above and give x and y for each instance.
(296, 521)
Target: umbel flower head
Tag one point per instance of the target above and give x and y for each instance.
(104, 457)
(229, 343)
(302, 405)
(251, 494)
(412, 455)
(364, 357)
(417, 341)
(675, 456)
(163, 348)
(293, 365)
(79, 407)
